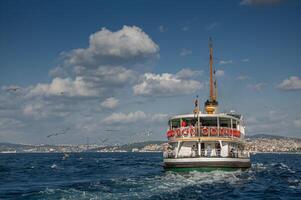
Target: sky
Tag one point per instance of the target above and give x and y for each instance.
(115, 71)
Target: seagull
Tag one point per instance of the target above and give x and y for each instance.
(13, 89)
(112, 130)
(104, 140)
(64, 131)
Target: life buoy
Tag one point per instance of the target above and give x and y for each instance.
(227, 132)
(236, 133)
(205, 131)
(222, 131)
(192, 131)
(170, 133)
(231, 132)
(178, 132)
(213, 131)
(185, 132)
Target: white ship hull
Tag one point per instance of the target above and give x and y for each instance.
(207, 162)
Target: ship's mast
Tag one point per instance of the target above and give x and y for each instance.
(211, 70)
(211, 104)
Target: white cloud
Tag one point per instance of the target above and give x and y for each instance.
(185, 52)
(187, 73)
(225, 62)
(242, 77)
(292, 83)
(165, 85)
(107, 76)
(219, 73)
(64, 87)
(259, 2)
(297, 123)
(257, 87)
(37, 110)
(158, 117)
(123, 118)
(211, 26)
(128, 43)
(110, 103)
(245, 60)
(133, 117)
(162, 28)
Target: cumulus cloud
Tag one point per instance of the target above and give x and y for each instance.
(105, 76)
(292, 83)
(268, 122)
(66, 87)
(110, 103)
(219, 73)
(36, 110)
(82, 81)
(104, 46)
(225, 62)
(259, 2)
(257, 87)
(187, 73)
(165, 85)
(133, 117)
(185, 52)
(242, 77)
(245, 60)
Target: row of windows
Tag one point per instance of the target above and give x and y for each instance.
(208, 121)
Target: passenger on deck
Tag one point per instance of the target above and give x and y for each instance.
(184, 124)
(208, 151)
(193, 151)
(232, 152)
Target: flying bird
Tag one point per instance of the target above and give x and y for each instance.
(13, 89)
(112, 130)
(62, 132)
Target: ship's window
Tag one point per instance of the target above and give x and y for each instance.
(175, 123)
(225, 122)
(190, 121)
(209, 121)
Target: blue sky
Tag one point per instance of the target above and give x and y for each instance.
(148, 63)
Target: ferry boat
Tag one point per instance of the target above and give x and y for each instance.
(206, 140)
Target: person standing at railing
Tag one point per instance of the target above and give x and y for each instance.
(208, 151)
(196, 106)
(184, 124)
(193, 151)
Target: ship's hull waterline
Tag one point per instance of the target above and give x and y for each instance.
(207, 163)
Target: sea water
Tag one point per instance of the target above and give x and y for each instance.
(141, 176)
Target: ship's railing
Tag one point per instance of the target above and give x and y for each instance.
(209, 154)
(203, 131)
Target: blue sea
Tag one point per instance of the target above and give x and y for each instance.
(141, 176)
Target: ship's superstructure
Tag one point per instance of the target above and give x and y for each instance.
(209, 139)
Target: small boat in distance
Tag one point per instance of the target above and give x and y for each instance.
(206, 140)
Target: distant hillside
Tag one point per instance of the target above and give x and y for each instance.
(267, 136)
(139, 145)
(11, 147)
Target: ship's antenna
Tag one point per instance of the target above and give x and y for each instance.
(212, 96)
